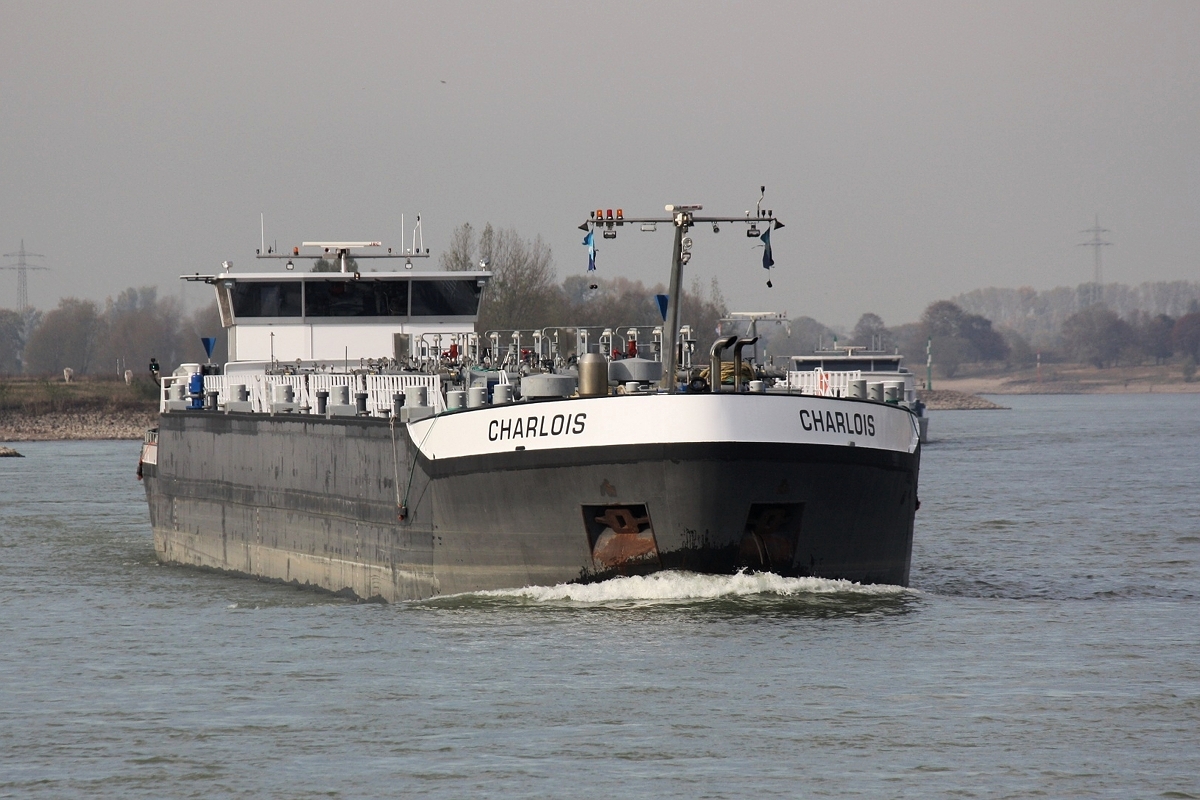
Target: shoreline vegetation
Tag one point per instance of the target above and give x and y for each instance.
(41, 409)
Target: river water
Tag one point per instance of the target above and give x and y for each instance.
(1049, 646)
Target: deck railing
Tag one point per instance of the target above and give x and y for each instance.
(822, 383)
(260, 388)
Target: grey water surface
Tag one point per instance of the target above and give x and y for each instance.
(1049, 648)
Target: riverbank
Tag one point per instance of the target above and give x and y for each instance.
(37, 409)
(1073, 379)
(66, 425)
(949, 400)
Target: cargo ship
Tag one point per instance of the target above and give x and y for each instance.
(364, 439)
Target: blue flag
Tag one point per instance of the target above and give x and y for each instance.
(589, 242)
(768, 262)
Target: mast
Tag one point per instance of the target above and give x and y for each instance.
(683, 217)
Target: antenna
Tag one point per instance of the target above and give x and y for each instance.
(262, 232)
(1096, 243)
(417, 230)
(22, 280)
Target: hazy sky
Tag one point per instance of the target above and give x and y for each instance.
(915, 150)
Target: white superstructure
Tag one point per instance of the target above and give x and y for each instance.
(343, 316)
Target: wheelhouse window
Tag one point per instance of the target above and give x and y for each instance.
(266, 299)
(361, 298)
(849, 365)
(445, 298)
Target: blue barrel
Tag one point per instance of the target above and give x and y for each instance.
(196, 390)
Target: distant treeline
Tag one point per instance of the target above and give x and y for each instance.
(136, 325)
(1095, 333)
(525, 293)
(124, 333)
(1040, 316)
(1154, 322)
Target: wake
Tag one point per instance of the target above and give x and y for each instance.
(675, 586)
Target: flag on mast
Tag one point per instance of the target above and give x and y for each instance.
(768, 261)
(589, 242)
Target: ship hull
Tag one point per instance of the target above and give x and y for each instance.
(365, 507)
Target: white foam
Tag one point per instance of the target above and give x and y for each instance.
(676, 586)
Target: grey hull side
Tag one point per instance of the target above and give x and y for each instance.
(316, 502)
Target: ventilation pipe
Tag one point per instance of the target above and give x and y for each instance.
(737, 361)
(714, 362)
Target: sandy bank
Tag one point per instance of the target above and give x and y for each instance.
(59, 425)
(1067, 385)
(949, 400)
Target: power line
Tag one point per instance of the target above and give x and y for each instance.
(22, 280)
(1096, 243)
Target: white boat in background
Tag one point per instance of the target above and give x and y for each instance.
(831, 372)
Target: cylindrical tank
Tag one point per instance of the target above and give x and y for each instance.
(857, 389)
(758, 387)
(593, 375)
(875, 391)
(502, 394)
(340, 395)
(322, 402)
(397, 404)
(635, 369)
(456, 400)
(477, 397)
(545, 384)
(632, 387)
(895, 386)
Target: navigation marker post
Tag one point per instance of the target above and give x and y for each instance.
(929, 364)
(683, 217)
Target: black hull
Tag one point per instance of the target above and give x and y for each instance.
(318, 502)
